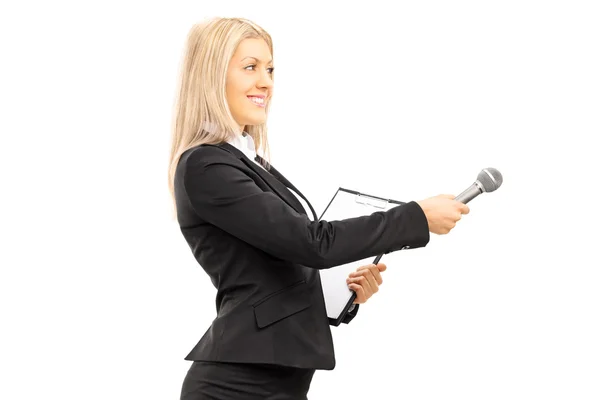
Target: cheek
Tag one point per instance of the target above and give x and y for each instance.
(230, 90)
(244, 85)
(234, 98)
(232, 83)
(234, 93)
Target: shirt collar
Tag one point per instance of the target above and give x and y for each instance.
(245, 144)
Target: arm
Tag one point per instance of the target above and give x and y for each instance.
(223, 195)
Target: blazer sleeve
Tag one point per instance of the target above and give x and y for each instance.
(222, 194)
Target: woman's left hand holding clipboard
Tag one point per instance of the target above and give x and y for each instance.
(365, 281)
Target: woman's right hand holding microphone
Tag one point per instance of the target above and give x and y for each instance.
(442, 212)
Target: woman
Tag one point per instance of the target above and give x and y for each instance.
(248, 230)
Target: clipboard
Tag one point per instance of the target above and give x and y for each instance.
(347, 203)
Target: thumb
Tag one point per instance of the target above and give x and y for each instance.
(381, 267)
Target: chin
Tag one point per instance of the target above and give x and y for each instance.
(256, 121)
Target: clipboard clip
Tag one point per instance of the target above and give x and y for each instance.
(371, 201)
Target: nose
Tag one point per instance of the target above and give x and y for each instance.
(265, 81)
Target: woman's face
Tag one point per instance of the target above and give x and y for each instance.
(249, 83)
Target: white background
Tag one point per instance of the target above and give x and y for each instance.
(100, 295)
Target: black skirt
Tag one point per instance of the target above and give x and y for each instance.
(230, 381)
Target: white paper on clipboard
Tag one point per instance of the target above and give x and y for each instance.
(347, 204)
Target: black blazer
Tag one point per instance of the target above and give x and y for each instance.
(254, 239)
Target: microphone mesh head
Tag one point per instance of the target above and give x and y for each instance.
(490, 179)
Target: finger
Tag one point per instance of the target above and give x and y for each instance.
(373, 269)
(382, 267)
(367, 285)
(376, 274)
(370, 282)
(462, 208)
(364, 283)
(360, 295)
(371, 279)
(364, 267)
(448, 196)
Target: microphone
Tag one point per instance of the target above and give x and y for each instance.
(488, 180)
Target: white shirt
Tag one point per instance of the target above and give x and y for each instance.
(245, 144)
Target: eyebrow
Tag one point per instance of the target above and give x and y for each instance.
(256, 59)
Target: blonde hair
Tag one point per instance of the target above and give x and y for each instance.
(201, 113)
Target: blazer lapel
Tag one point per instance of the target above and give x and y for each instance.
(276, 185)
(289, 185)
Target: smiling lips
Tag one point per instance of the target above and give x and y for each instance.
(258, 100)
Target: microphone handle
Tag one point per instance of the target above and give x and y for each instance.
(472, 191)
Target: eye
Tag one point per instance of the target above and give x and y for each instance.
(253, 66)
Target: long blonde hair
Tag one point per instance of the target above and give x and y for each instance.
(201, 113)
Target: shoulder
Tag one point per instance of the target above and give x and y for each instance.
(195, 162)
(206, 154)
(202, 156)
